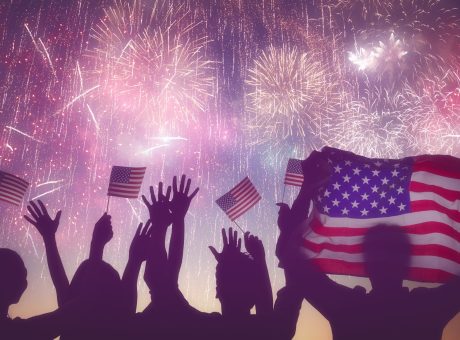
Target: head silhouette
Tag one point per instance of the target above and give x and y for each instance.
(99, 284)
(236, 286)
(13, 280)
(387, 252)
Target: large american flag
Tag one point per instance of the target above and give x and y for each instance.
(294, 173)
(420, 194)
(125, 181)
(239, 200)
(12, 188)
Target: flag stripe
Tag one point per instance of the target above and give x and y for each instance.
(450, 195)
(243, 204)
(433, 168)
(235, 214)
(239, 199)
(9, 200)
(439, 181)
(125, 181)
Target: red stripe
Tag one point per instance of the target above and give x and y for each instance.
(241, 189)
(10, 187)
(445, 167)
(424, 205)
(15, 178)
(11, 192)
(244, 199)
(416, 229)
(123, 195)
(357, 269)
(242, 204)
(123, 191)
(234, 215)
(450, 195)
(435, 250)
(15, 182)
(9, 200)
(293, 175)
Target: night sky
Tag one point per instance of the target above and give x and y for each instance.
(218, 90)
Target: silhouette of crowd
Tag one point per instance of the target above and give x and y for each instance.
(99, 304)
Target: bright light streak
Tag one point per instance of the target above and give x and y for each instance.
(24, 134)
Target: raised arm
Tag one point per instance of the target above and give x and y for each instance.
(179, 206)
(264, 298)
(102, 234)
(138, 252)
(47, 227)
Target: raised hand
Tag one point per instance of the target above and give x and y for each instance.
(254, 246)
(232, 244)
(102, 234)
(41, 219)
(181, 200)
(160, 215)
(140, 245)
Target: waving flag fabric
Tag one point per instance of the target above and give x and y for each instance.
(125, 181)
(294, 173)
(419, 194)
(239, 200)
(12, 188)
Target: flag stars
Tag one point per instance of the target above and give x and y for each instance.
(401, 207)
(354, 204)
(365, 180)
(335, 202)
(375, 188)
(367, 166)
(375, 172)
(383, 210)
(384, 181)
(400, 190)
(327, 193)
(396, 165)
(364, 196)
(345, 195)
(346, 179)
(364, 212)
(345, 211)
(326, 209)
(356, 171)
(337, 169)
(348, 163)
(378, 164)
(383, 194)
(395, 173)
(355, 188)
(374, 204)
(336, 186)
(391, 200)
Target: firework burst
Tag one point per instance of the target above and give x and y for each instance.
(287, 94)
(151, 60)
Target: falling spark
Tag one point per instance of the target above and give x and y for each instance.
(151, 149)
(48, 192)
(24, 134)
(49, 182)
(77, 98)
(93, 117)
(47, 56)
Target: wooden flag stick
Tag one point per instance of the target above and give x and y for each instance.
(239, 227)
(284, 190)
(108, 201)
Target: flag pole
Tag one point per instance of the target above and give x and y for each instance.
(108, 201)
(284, 190)
(239, 227)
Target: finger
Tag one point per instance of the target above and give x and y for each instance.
(187, 186)
(138, 230)
(31, 221)
(194, 193)
(58, 216)
(246, 237)
(44, 211)
(282, 205)
(230, 236)
(160, 191)
(36, 209)
(238, 245)
(148, 225)
(214, 252)
(182, 183)
(152, 195)
(168, 192)
(224, 237)
(235, 238)
(33, 213)
(175, 184)
(146, 202)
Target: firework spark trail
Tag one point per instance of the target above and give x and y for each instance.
(146, 151)
(81, 95)
(47, 57)
(49, 182)
(48, 192)
(134, 211)
(24, 134)
(93, 117)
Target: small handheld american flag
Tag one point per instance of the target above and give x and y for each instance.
(239, 200)
(125, 181)
(12, 188)
(294, 173)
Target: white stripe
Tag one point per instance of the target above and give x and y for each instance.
(427, 262)
(418, 196)
(415, 239)
(437, 180)
(401, 220)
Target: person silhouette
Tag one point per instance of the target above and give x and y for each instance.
(389, 310)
